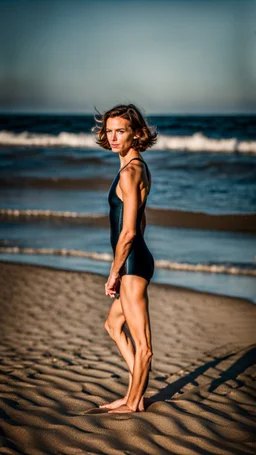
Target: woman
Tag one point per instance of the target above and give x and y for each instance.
(124, 130)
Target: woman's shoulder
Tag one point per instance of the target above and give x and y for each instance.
(132, 176)
(134, 165)
(131, 172)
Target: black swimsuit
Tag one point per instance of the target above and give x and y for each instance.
(139, 261)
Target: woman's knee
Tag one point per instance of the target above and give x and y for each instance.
(144, 351)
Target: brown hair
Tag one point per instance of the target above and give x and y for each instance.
(147, 134)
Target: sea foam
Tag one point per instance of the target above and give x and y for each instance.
(230, 269)
(194, 143)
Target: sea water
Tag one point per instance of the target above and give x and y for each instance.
(55, 182)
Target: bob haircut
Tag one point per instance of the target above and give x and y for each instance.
(147, 135)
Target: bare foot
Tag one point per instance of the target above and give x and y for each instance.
(120, 402)
(114, 404)
(123, 408)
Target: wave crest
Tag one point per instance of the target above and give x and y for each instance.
(198, 142)
(63, 139)
(244, 222)
(160, 264)
(38, 213)
(193, 143)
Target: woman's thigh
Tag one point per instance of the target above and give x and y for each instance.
(134, 302)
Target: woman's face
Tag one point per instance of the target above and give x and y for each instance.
(119, 134)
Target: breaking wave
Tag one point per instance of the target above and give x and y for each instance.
(194, 143)
(63, 139)
(198, 142)
(159, 217)
(230, 269)
(34, 213)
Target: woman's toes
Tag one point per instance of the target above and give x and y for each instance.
(114, 404)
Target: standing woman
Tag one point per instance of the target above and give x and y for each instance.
(124, 131)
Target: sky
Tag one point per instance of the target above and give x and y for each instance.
(165, 56)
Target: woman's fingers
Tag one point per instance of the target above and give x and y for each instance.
(109, 291)
(111, 287)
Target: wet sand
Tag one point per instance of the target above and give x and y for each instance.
(58, 364)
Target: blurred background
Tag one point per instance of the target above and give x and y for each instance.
(190, 66)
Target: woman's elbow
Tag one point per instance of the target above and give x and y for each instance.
(128, 234)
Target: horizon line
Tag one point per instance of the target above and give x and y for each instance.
(154, 114)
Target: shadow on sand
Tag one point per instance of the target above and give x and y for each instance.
(245, 361)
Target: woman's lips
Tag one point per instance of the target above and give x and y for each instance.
(115, 145)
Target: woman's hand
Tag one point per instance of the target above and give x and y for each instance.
(112, 284)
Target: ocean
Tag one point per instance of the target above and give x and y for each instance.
(201, 211)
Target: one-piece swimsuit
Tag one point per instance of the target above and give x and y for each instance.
(139, 261)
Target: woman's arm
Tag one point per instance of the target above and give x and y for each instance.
(129, 184)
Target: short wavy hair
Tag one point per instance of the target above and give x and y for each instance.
(147, 134)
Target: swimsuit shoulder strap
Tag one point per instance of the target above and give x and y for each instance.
(135, 159)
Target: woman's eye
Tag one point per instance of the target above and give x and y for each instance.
(122, 131)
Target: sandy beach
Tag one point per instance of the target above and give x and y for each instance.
(58, 364)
